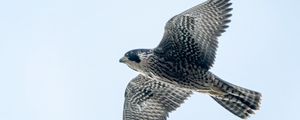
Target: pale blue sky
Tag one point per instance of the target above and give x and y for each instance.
(59, 58)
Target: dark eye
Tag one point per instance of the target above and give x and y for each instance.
(126, 55)
(134, 57)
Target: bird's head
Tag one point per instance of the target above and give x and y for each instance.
(135, 59)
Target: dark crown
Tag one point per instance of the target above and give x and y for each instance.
(132, 55)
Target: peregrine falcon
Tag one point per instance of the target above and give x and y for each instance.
(180, 65)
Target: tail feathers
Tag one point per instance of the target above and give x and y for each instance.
(252, 98)
(239, 101)
(239, 109)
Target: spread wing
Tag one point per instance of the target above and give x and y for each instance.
(147, 99)
(192, 35)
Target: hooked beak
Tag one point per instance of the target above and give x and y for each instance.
(123, 60)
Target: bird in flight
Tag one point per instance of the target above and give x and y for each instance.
(180, 64)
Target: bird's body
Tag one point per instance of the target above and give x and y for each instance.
(182, 61)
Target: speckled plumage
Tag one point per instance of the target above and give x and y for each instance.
(148, 99)
(183, 59)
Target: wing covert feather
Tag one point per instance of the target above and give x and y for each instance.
(147, 99)
(192, 35)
